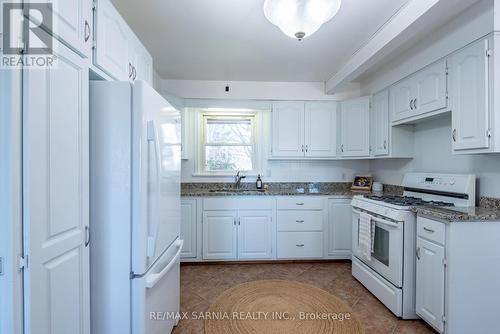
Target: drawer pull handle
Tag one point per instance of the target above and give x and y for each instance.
(299, 203)
(300, 245)
(428, 230)
(299, 221)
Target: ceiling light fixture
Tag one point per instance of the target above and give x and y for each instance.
(300, 18)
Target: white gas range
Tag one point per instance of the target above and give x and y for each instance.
(389, 273)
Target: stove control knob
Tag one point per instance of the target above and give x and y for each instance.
(452, 182)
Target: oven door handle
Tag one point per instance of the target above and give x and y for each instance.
(378, 220)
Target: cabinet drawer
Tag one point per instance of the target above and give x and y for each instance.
(297, 245)
(300, 203)
(296, 220)
(431, 230)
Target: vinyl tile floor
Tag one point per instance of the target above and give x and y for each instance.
(201, 284)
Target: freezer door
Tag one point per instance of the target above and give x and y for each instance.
(156, 295)
(156, 163)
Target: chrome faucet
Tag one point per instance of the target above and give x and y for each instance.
(237, 180)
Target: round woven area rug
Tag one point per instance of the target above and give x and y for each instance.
(277, 306)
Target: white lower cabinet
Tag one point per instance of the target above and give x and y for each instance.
(430, 283)
(255, 235)
(238, 229)
(457, 275)
(219, 235)
(339, 228)
(266, 228)
(189, 228)
(300, 245)
(300, 227)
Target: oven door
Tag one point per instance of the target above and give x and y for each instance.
(387, 255)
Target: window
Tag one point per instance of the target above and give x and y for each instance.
(227, 144)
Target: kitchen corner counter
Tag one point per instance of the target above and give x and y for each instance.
(488, 211)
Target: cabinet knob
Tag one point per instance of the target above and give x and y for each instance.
(418, 253)
(454, 135)
(385, 144)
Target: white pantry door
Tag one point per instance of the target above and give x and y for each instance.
(56, 196)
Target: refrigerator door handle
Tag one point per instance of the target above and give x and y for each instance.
(152, 136)
(152, 279)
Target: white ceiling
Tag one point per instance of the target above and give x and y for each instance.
(231, 39)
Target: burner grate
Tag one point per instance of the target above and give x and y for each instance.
(407, 201)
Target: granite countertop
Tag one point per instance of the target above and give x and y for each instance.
(489, 210)
(333, 189)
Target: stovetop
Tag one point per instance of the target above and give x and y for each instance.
(406, 200)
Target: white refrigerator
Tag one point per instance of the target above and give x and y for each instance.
(135, 158)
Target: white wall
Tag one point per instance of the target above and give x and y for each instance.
(433, 138)
(272, 170)
(254, 90)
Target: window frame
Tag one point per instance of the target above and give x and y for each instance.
(204, 117)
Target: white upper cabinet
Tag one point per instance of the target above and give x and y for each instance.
(72, 24)
(469, 97)
(118, 52)
(112, 42)
(380, 124)
(305, 130)
(430, 88)
(320, 126)
(355, 128)
(420, 95)
(288, 129)
(402, 100)
(141, 62)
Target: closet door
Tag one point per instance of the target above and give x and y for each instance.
(56, 196)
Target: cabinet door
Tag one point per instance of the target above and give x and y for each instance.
(380, 124)
(219, 235)
(430, 88)
(188, 228)
(339, 227)
(144, 66)
(112, 42)
(401, 95)
(320, 129)
(430, 283)
(56, 195)
(254, 235)
(72, 24)
(469, 97)
(355, 129)
(288, 129)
